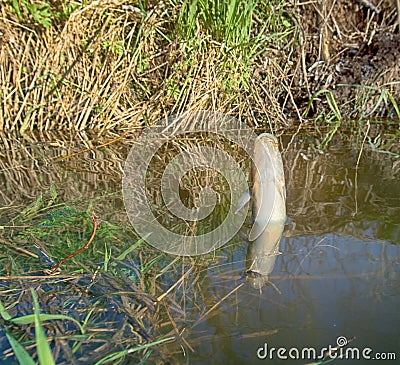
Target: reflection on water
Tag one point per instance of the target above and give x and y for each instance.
(261, 255)
(331, 286)
(326, 195)
(77, 166)
(268, 210)
(338, 274)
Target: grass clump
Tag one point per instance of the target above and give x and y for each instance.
(219, 32)
(123, 308)
(43, 349)
(228, 21)
(110, 66)
(40, 14)
(113, 66)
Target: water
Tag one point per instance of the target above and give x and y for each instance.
(330, 286)
(337, 277)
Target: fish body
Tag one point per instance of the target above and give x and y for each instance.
(268, 190)
(268, 195)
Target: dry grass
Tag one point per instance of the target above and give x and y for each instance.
(70, 76)
(110, 66)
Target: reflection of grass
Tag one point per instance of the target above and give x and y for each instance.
(128, 296)
(191, 184)
(330, 120)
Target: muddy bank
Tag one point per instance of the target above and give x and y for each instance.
(352, 48)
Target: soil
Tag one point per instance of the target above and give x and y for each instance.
(353, 48)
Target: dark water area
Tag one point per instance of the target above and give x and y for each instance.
(336, 279)
(331, 288)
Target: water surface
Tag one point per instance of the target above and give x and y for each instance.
(337, 276)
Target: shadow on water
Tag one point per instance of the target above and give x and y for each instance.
(337, 275)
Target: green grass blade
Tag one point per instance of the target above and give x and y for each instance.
(123, 255)
(394, 103)
(19, 351)
(6, 316)
(30, 318)
(43, 348)
(117, 355)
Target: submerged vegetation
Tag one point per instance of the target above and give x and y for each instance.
(121, 297)
(117, 67)
(122, 300)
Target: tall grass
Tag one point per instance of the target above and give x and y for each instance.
(228, 22)
(111, 66)
(220, 30)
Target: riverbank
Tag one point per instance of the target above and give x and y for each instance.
(114, 67)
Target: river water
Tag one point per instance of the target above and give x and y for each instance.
(335, 281)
